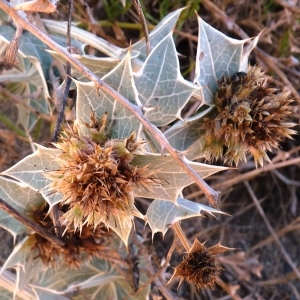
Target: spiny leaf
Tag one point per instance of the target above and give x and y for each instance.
(66, 280)
(160, 84)
(217, 56)
(30, 171)
(120, 223)
(187, 136)
(165, 26)
(170, 174)
(32, 273)
(247, 49)
(19, 256)
(20, 197)
(138, 50)
(161, 214)
(120, 121)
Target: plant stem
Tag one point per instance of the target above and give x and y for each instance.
(35, 227)
(211, 194)
(139, 9)
(179, 232)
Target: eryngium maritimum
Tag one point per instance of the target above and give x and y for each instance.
(251, 116)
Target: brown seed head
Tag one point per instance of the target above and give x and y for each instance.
(78, 248)
(200, 266)
(250, 116)
(95, 175)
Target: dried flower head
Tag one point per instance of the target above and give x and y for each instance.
(95, 177)
(200, 266)
(78, 248)
(251, 117)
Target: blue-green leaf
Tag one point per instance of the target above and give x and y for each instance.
(170, 175)
(218, 55)
(22, 198)
(160, 85)
(163, 29)
(161, 214)
(30, 170)
(121, 122)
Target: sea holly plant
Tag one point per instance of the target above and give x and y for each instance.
(79, 197)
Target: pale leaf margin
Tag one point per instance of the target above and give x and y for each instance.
(31, 169)
(219, 55)
(162, 214)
